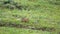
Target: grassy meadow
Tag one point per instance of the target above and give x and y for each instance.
(41, 13)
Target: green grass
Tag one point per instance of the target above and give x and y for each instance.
(9, 30)
(47, 14)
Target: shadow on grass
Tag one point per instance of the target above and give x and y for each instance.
(50, 29)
